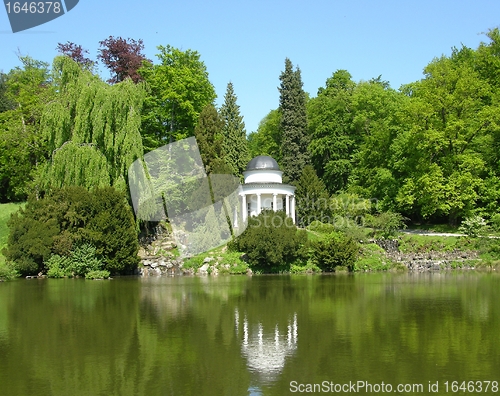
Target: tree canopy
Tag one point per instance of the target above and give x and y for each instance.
(178, 90)
(92, 130)
(123, 58)
(429, 150)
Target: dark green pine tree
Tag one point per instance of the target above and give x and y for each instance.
(208, 134)
(293, 125)
(234, 144)
(312, 198)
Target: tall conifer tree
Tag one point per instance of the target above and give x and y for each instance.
(293, 125)
(209, 137)
(312, 198)
(234, 144)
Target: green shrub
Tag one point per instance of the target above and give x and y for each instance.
(58, 266)
(474, 226)
(388, 223)
(271, 241)
(97, 274)
(82, 260)
(323, 228)
(194, 262)
(299, 267)
(30, 240)
(489, 248)
(334, 250)
(372, 258)
(495, 222)
(6, 271)
(71, 217)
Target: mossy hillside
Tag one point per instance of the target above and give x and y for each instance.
(226, 262)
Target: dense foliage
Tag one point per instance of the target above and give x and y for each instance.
(92, 130)
(313, 201)
(271, 241)
(428, 150)
(293, 123)
(209, 137)
(234, 142)
(123, 57)
(77, 53)
(335, 250)
(65, 220)
(179, 89)
(81, 261)
(26, 92)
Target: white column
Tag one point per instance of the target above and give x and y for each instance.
(287, 211)
(235, 217)
(293, 208)
(244, 207)
(258, 204)
(275, 203)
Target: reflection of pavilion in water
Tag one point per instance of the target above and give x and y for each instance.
(265, 349)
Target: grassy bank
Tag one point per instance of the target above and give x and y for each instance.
(479, 253)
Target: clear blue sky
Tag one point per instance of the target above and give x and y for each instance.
(246, 42)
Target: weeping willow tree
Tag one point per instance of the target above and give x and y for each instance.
(77, 165)
(92, 129)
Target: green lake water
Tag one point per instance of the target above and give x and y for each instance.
(260, 335)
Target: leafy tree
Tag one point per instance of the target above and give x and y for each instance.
(312, 198)
(376, 122)
(487, 57)
(330, 124)
(123, 58)
(451, 121)
(77, 53)
(234, 144)
(76, 165)
(5, 102)
(91, 129)
(271, 241)
(293, 123)
(267, 139)
(27, 91)
(178, 90)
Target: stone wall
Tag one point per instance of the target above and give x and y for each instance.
(429, 261)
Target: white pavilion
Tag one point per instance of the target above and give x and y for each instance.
(263, 189)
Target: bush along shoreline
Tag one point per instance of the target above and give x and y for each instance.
(73, 232)
(321, 249)
(71, 243)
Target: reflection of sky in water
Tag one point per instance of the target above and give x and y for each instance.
(266, 349)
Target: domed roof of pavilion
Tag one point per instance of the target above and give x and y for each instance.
(262, 162)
